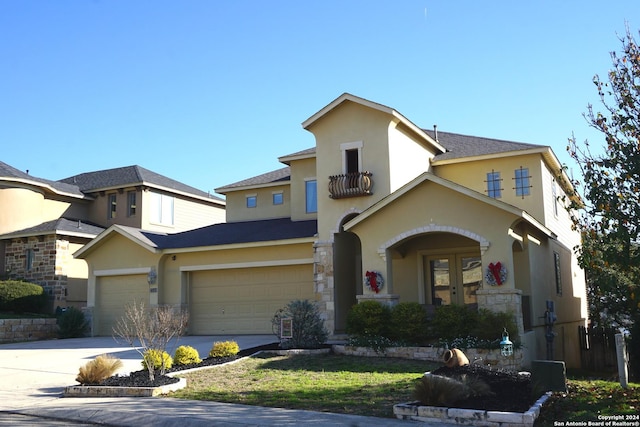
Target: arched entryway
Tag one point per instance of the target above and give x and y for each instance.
(347, 273)
(437, 268)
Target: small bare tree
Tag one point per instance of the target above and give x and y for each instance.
(151, 328)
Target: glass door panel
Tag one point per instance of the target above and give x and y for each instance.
(471, 267)
(440, 281)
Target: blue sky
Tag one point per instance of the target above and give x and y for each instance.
(212, 92)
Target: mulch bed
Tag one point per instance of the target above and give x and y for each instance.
(511, 392)
(141, 378)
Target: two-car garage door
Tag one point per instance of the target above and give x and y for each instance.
(243, 300)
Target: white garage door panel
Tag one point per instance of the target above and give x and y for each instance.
(113, 294)
(242, 301)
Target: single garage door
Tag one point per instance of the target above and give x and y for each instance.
(243, 301)
(113, 294)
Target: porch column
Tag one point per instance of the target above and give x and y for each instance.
(323, 282)
(502, 300)
(385, 296)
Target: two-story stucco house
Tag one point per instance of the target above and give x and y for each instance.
(379, 209)
(43, 222)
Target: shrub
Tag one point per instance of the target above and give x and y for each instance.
(408, 323)
(308, 329)
(22, 297)
(224, 349)
(72, 323)
(436, 390)
(453, 321)
(157, 359)
(490, 325)
(369, 318)
(186, 355)
(98, 370)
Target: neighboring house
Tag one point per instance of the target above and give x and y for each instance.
(43, 222)
(379, 209)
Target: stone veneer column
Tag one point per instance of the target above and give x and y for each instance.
(502, 300)
(323, 282)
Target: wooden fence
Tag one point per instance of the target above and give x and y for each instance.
(598, 349)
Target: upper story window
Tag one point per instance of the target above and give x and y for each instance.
(252, 201)
(523, 184)
(278, 198)
(111, 206)
(494, 183)
(351, 157)
(161, 208)
(311, 196)
(131, 203)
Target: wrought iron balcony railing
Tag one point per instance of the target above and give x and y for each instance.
(350, 185)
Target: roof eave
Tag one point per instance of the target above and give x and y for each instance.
(225, 190)
(260, 244)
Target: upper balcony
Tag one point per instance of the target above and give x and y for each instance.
(350, 185)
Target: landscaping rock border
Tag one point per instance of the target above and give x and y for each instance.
(107, 391)
(475, 417)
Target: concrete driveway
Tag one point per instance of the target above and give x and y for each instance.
(39, 370)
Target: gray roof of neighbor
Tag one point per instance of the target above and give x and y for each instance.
(278, 175)
(129, 175)
(236, 232)
(63, 226)
(7, 171)
(461, 146)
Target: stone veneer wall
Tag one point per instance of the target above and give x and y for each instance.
(323, 282)
(436, 354)
(503, 300)
(27, 329)
(50, 256)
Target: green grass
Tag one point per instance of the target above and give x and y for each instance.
(371, 386)
(327, 383)
(590, 400)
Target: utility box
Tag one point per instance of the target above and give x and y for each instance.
(548, 375)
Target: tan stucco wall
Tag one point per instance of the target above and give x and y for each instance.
(237, 209)
(473, 175)
(302, 170)
(432, 208)
(25, 207)
(346, 124)
(407, 159)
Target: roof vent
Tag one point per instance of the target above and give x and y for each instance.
(435, 132)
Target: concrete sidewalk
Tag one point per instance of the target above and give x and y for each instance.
(34, 375)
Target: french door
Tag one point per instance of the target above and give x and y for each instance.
(452, 278)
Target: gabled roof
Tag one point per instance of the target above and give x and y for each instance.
(428, 176)
(214, 235)
(107, 179)
(9, 173)
(347, 97)
(465, 146)
(60, 226)
(276, 177)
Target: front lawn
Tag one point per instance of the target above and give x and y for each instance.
(592, 400)
(370, 386)
(328, 383)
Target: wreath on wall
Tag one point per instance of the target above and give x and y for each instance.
(374, 281)
(496, 274)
